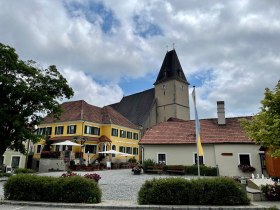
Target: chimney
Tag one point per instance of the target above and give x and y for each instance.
(221, 112)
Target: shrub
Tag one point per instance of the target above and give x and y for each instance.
(5, 174)
(272, 192)
(24, 171)
(148, 162)
(179, 191)
(132, 160)
(94, 176)
(41, 188)
(204, 170)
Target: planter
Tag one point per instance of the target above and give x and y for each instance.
(137, 172)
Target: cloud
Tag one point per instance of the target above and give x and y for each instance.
(229, 49)
(86, 88)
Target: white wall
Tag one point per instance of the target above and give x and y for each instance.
(228, 165)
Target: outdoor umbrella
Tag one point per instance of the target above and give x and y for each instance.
(67, 143)
(112, 152)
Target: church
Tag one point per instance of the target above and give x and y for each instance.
(168, 99)
(163, 115)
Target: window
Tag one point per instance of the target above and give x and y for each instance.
(114, 132)
(64, 148)
(135, 151)
(41, 131)
(129, 135)
(71, 129)
(122, 134)
(161, 158)
(59, 130)
(39, 149)
(90, 148)
(92, 130)
(135, 136)
(15, 161)
(121, 149)
(49, 131)
(128, 150)
(201, 159)
(57, 148)
(244, 159)
(114, 148)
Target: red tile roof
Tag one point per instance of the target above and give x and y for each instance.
(183, 132)
(81, 110)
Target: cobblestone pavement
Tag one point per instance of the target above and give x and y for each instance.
(119, 184)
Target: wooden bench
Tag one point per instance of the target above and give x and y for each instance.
(154, 169)
(178, 169)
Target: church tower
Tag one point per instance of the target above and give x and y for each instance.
(171, 90)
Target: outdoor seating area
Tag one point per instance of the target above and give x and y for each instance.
(177, 169)
(101, 166)
(154, 169)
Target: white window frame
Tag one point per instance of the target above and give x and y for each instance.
(195, 153)
(56, 129)
(162, 153)
(250, 159)
(69, 129)
(18, 162)
(112, 132)
(130, 150)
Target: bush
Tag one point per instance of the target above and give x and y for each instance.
(41, 188)
(148, 162)
(5, 174)
(179, 191)
(204, 170)
(272, 192)
(24, 171)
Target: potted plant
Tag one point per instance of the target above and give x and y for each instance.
(137, 169)
(246, 168)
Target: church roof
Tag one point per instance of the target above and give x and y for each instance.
(136, 107)
(183, 132)
(81, 110)
(171, 69)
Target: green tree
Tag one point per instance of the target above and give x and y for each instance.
(264, 128)
(27, 93)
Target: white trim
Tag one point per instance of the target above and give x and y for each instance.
(19, 160)
(162, 153)
(238, 156)
(59, 125)
(195, 153)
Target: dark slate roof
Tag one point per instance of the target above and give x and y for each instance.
(183, 132)
(81, 110)
(136, 108)
(171, 69)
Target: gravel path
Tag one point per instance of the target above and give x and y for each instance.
(115, 184)
(120, 184)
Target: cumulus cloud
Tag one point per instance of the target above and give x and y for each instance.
(229, 49)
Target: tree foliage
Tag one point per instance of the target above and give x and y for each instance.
(264, 128)
(27, 93)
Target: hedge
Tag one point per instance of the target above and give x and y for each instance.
(24, 171)
(28, 187)
(179, 191)
(204, 170)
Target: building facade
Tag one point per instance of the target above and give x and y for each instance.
(94, 129)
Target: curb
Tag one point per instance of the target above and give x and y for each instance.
(119, 205)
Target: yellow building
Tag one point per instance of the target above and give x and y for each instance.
(95, 129)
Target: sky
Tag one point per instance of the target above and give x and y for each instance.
(230, 50)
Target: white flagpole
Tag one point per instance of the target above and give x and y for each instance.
(196, 132)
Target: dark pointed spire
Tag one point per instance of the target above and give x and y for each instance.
(171, 69)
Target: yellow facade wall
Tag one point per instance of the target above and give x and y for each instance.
(105, 129)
